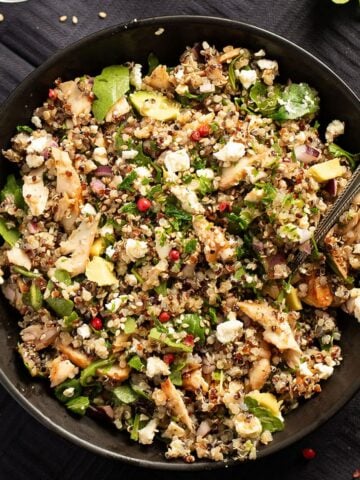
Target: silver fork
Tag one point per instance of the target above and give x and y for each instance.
(341, 204)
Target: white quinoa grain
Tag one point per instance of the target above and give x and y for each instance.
(2, 18)
(75, 20)
(159, 31)
(63, 18)
(102, 14)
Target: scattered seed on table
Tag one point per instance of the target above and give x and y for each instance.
(63, 18)
(160, 31)
(102, 14)
(2, 18)
(75, 20)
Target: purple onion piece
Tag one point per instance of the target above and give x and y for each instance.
(331, 187)
(306, 154)
(306, 247)
(103, 171)
(97, 186)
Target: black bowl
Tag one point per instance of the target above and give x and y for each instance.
(134, 41)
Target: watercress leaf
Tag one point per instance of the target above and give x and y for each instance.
(13, 188)
(73, 384)
(336, 151)
(136, 363)
(78, 405)
(125, 394)
(190, 246)
(24, 128)
(109, 87)
(61, 306)
(128, 181)
(193, 323)
(265, 98)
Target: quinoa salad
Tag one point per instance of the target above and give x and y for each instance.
(149, 232)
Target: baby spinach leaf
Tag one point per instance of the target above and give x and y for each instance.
(125, 394)
(265, 98)
(109, 87)
(297, 100)
(353, 158)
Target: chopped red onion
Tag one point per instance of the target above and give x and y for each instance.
(97, 186)
(306, 247)
(45, 153)
(33, 227)
(331, 187)
(204, 429)
(103, 171)
(306, 154)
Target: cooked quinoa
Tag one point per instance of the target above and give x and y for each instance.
(148, 242)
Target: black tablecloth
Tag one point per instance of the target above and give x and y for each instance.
(30, 33)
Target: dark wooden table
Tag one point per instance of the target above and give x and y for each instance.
(30, 33)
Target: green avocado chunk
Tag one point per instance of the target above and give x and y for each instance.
(155, 105)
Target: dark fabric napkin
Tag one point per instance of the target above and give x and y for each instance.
(31, 32)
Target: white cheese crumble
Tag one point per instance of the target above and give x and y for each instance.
(110, 251)
(231, 152)
(135, 249)
(142, 173)
(207, 88)
(227, 331)
(36, 121)
(325, 371)
(156, 366)
(114, 304)
(174, 162)
(88, 209)
(146, 434)
(18, 257)
(188, 199)
(265, 64)
(304, 370)
(100, 155)
(84, 331)
(304, 234)
(247, 78)
(255, 195)
(136, 76)
(38, 144)
(334, 129)
(68, 392)
(205, 172)
(129, 154)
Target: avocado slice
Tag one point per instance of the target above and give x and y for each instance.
(100, 271)
(322, 172)
(155, 105)
(337, 262)
(292, 300)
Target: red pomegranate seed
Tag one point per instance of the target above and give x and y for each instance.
(204, 130)
(189, 340)
(308, 453)
(52, 94)
(195, 136)
(224, 207)
(143, 204)
(174, 255)
(169, 358)
(164, 317)
(96, 323)
(356, 474)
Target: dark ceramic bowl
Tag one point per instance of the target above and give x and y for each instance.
(134, 41)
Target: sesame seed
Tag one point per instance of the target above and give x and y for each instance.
(102, 14)
(1, 17)
(160, 31)
(63, 18)
(74, 20)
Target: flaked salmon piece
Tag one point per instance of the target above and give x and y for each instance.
(176, 403)
(60, 369)
(193, 380)
(80, 359)
(78, 246)
(216, 245)
(261, 368)
(232, 175)
(79, 102)
(159, 78)
(34, 191)
(277, 330)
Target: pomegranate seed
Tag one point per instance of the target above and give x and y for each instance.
(308, 453)
(224, 207)
(96, 323)
(189, 340)
(52, 94)
(195, 136)
(174, 255)
(164, 317)
(356, 474)
(143, 204)
(204, 130)
(169, 358)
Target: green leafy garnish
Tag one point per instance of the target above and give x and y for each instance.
(125, 394)
(128, 181)
(24, 128)
(134, 435)
(239, 222)
(62, 276)
(61, 306)
(232, 74)
(78, 405)
(26, 273)
(10, 235)
(164, 338)
(265, 98)
(192, 323)
(13, 188)
(162, 288)
(136, 363)
(91, 370)
(353, 158)
(297, 100)
(213, 316)
(268, 420)
(129, 208)
(73, 384)
(180, 218)
(153, 62)
(190, 246)
(35, 297)
(109, 87)
(269, 192)
(205, 185)
(71, 319)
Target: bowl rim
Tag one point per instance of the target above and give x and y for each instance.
(21, 397)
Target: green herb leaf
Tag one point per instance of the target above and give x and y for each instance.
(78, 405)
(232, 74)
(162, 288)
(36, 298)
(24, 128)
(265, 98)
(134, 435)
(190, 246)
(61, 306)
(336, 151)
(164, 338)
(125, 394)
(205, 185)
(10, 235)
(109, 87)
(136, 363)
(91, 370)
(59, 390)
(70, 319)
(26, 273)
(297, 100)
(213, 316)
(180, 218)
(63, 276)
(13, 188)
(192, 323)
(268, 420)
(153, 62)
(129, 208)
(126, 184)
